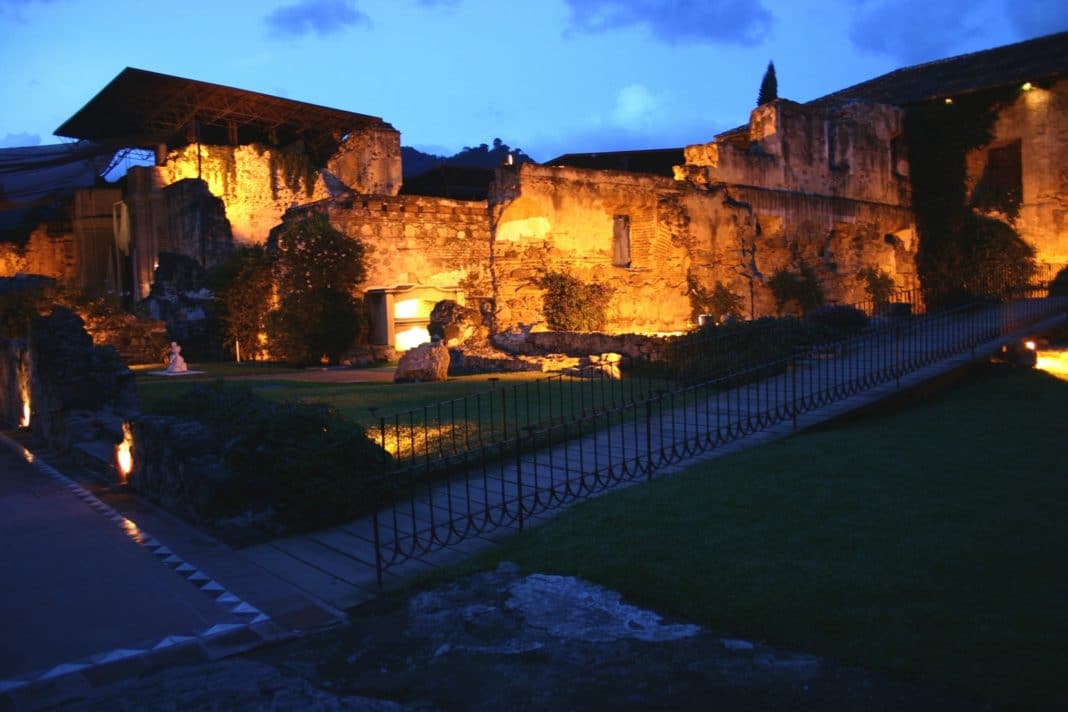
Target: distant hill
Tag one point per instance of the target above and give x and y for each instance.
(416, 163)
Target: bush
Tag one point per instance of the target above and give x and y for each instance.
(841, 320)
(1059, 286)
(720, 303)
(802, 288)
(572, 305)
(318, 271)
(878, 283)
(758, 348)
(243, 286)
(310, 464)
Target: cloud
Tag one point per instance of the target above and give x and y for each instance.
(323, 17)
(914, 31)
(20, 140)
(743, 22)
(1037, 17)
(636, 107)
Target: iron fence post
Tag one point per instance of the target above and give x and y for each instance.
(793, 389)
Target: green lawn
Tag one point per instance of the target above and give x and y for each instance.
(929, 544)
(448, 414)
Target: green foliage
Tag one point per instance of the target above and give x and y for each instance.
(802, 288)
(242, 287)
(752, 348)
(988, 260)
(840, 319)
(1059, 286)
(720, 303)
(572, 305)
(939, 136)
(318, 270)
(769, 86)
(878, 283)
(310, 464)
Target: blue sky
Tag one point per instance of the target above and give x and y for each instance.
(548, 76)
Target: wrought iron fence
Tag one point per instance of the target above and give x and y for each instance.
(517, 468)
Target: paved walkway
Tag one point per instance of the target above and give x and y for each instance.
(94, 591)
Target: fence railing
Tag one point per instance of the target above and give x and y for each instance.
(534, 465)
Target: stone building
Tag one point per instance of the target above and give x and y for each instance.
(825, 185)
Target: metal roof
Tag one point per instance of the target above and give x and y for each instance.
(139, 108)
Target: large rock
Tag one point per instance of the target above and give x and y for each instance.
(427, 362)
(455, 324)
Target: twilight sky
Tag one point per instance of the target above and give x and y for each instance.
(547, 76)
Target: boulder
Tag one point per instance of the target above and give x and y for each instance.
(455, 324)
(426, 362)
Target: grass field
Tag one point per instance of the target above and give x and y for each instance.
(928, 544)
(423, 417)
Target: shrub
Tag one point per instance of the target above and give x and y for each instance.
(243, 286)
(318, 271)
(756, 348)
(1059, 286)
(802, 288)
(572, 305)
(878, 283)
(720, 303)
(841, 320)
(310, 464)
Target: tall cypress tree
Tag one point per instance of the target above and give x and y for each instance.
(769, 86)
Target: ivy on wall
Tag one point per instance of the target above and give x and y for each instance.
(958, 246)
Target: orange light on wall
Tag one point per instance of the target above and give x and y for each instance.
(1055, 363)
(124, 453)
(410, 338)
(24, 396)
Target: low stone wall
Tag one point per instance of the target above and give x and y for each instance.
(176, 464)
(579, 343)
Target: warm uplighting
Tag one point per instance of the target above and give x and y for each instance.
(124, 454)
(406, 309)
(1027, 86)
(1055, 363)
(1030, 345)
(24, 396)
(949, 100)
(410, 338)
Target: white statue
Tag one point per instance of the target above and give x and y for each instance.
(175, 362)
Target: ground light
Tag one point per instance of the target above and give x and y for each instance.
(124, 454)
(1054, 362)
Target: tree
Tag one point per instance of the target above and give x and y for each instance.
(242, 287)
(769, 86)
(318, 271)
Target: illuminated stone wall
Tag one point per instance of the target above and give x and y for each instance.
(1038, 120)
(851, 151)
(53, 255)
(829, 189)
(369, 162)
(564, 219)
(256, 184)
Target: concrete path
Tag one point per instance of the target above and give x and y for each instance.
(93, 592)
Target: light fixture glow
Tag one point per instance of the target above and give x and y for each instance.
(1027, 86)
(949, 100)
(410, 338)
(406, 309)
(124, 454)
(1030, 345)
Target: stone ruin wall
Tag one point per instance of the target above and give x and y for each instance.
(411, 239)
(1038, 119)
(561, 219)
(828, 188)
(52, 255)
(257, 183)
